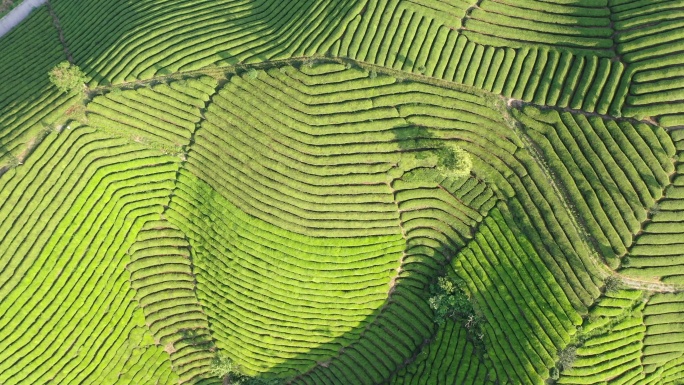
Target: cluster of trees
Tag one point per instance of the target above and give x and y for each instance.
(449, 301)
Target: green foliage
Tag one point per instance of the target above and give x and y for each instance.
(423, 151)
(453, 161)
(554, 373)
(252, 73)
(613, 283)
(450, 301)
(566, 357)
(68, 77)
(561, 53)
(224, 368)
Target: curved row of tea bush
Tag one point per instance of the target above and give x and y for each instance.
(278, 301)
(163, 115)
(449, 359)
(115, 41)
(29, 104)
(649, 37)
(579, 25)
(303, 118)
(663, 355)
(610, 344)
(629, 338)
(162, 276)
(287, 162)
(527, 318)
(438, 216)
(68, 313)
(439, 220)
(417, 38)
(613, 171)
(395, 115)
(658, 251)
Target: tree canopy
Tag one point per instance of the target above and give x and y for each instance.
(67, 77)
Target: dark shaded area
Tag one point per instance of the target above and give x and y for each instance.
(27, 98)
(121, 41)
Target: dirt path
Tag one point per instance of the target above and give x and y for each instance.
(577, 221)
(18, 14)
(58, 27)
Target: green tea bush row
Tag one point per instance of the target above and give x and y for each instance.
(101, 311)
(170, 38)
(657, 250)
(285, 302)
(498, 261)
(449, 349)
(29, 103)
(171, 308)
(609, 203)
(662, 317)
(647, 37)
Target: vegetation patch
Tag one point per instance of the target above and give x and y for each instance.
(345, 192)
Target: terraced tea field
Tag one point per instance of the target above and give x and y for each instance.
(343, 192)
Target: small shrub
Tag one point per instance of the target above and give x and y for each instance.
(612, 284)
(554, 373)
(655, 209)
(252, 73)
(453, 161)
(566, 357)
(68, 77)
(222, 367)
(373, 74)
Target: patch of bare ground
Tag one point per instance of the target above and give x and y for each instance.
(30, 146)
(393, 280)
(169, 348)
(324, 364)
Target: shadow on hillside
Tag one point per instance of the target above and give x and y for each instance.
(117, 41)
(332, 359)
(382, 348)
(6, 159)
(374, 348)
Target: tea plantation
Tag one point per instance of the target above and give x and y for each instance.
(343, 192)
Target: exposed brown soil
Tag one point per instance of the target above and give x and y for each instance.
(169, 348)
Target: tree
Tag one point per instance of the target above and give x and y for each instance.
(222, 367)
(449, 300)
(68, 77)
(453, 161)
(252, 73)
(554, 374)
